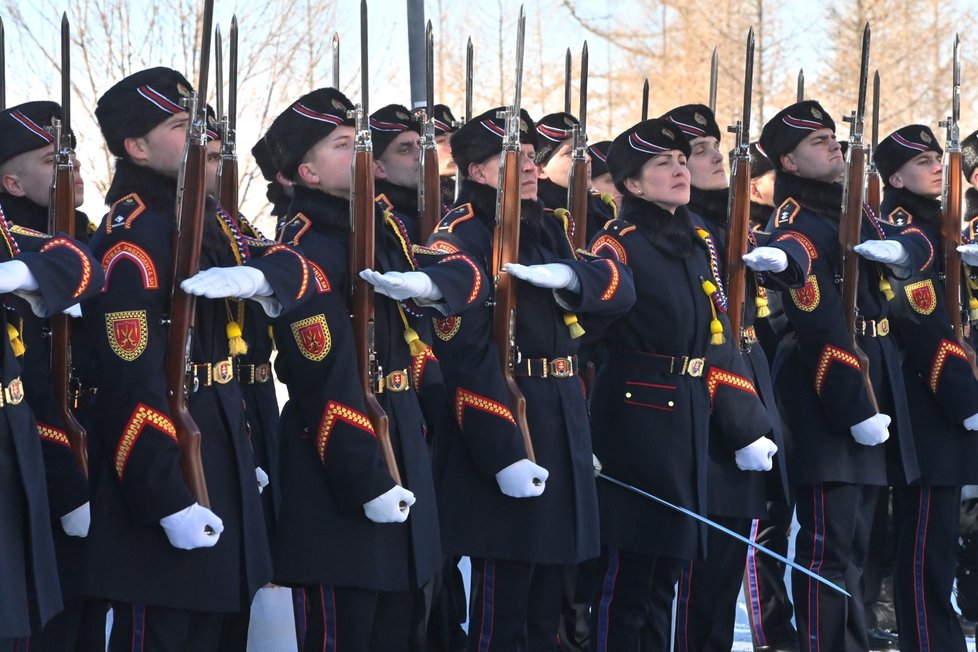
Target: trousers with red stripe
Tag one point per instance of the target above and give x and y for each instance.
(832, 541)
(926, 522)
(333, 618)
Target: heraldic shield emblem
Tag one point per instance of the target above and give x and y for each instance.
(312, 336)
(447, 327)
(127, 332)
(922, 296)
(807, 296)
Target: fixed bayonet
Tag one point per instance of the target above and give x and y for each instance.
(645, 100)
(567, 81)
(800, 97)
(579, 182)
(336, 60)
(3, 67)
(65, 81)
(218, 74)
(232, 114)
(873, 179)
(429, 186)
(582, 99)
(714, 65)
(468, 79)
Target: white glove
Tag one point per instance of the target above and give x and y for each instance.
(240, 282)
(596, 463)
(192, 527)
(767, 259)
(76, 522)
(403, 285)
(757, 455)
(555, 276)
(969, 254)
(262, 478)
(74, 310)
(392, 506)
(15, 275)
(872, 431)
(890, 252)
(971, 423)
(522, 479)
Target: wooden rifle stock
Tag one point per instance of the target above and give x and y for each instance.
(850, 223)
(62, 219)
(950, 241)
(578, 187)
(361, 256)
(430, 207)
(873, 191)
(505, 248)
(738, 224)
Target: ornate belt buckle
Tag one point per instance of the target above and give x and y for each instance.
(883, 327)
(561, 368)
(263, 372)
(14, 392)
(693, 367)
(397, 381)
(223, 371)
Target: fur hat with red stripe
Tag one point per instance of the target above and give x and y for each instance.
(307, 121)
(482, 137)
(445, 122)
(636, 145)
(135, 105)
(902, 145)
(553, 130)
(790, 126)
(599, 158)
(694, 120)
(26, 127)
(388, 123)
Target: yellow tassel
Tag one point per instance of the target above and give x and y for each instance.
(576, 330)
(236, 344)
(762, 309)
(271, 336)
(716, 332)
(16, 343)
(973, 308)
(886, 289)
(414, 342)
(709, 288)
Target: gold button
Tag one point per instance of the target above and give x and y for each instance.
(628, 394)
(671, 404)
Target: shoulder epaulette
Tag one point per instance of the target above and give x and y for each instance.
(300, 222)
(456, 216)
(124, 212)
(605, 243)
(787, 211)
(619, 226)
(899, 216)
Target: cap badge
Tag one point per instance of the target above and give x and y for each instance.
(816, 113)
(568, 122)
(668, 134)
(338, 105)
(183, 90)
(402, 116)
(924, 136)
(699, 118)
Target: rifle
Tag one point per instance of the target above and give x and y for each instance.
(227, 167)
(468, 107)
(873, 182)
(61, 218)
(645, 100)
(506, 247)
(714, 64)
(362, 229)
(429, 184)
(738, 206)
(579, 181)
(336, 60)
(850, 221)
(188, 235)
(800, 97)
(951, 221)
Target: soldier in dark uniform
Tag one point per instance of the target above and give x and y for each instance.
(834, 427)
(176, 572)
(708, 589)
(279, 190)
(343, 543)
(519, 533)
(601, 182)
(969, 167)
(942, 391)
(554, 156)
(651, 405)
(445, 126)
(26, 158)
(50, 274)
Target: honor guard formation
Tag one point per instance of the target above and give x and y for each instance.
(607, 373)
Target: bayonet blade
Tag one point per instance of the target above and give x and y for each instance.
(856, 136)
(876, 111)
(518, 95)
(233, 76)
(801, 85)
(956, 81)
(65, 79)
(3, 68)
(714, 63)
(468, 80)
(364, 49)
(645, 100)
(205, 54)
(218, 73)
(582, 118)
(567, 81)
(336, 60)
(429, 71)
(748, 90)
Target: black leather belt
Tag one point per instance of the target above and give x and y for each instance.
(563, 367)
(683, 365)
(872, 327)
(207, 374)
(254, 374)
